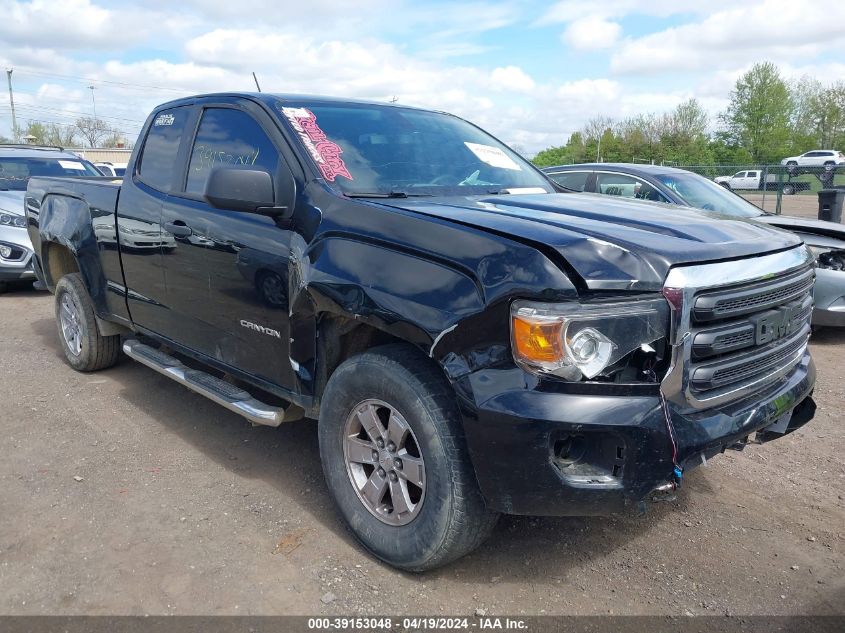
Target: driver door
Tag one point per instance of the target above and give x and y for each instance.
(227, 273)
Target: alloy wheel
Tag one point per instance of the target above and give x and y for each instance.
(384, 462)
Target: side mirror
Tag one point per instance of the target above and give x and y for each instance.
(246, 190)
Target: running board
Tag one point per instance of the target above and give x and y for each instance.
(230, 396)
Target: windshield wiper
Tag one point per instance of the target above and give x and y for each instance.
(385, 194)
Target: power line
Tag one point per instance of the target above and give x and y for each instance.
(74, 112)
(89, 80)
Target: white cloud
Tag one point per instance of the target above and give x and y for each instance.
(571, 10)
(779, 30)
(595, 91)
(591, 33)
(66, 25)
(512, 78)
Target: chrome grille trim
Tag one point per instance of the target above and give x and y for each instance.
(685, 284)
(709, 306)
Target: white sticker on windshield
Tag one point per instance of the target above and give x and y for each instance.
(493, 156)
(71, 164)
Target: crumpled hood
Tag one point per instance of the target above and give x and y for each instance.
(611, 243)
(12, 202)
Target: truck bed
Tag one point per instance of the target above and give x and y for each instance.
(101, 193)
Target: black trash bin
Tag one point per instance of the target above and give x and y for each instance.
(830, 204)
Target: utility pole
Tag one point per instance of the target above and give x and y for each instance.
(15, 133)
(93, 101)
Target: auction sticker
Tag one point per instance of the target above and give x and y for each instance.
(324, 152)
(71, 164)
(493, 156)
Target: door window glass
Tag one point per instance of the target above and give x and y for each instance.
(575, 180)
(627, 187)
(229, 137)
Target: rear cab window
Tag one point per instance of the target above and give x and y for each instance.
(15, 171)
(159, 166)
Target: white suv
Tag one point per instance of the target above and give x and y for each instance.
(817, 158)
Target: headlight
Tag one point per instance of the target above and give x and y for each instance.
(5, 251)
(7, 219)
(828, 258)
(581, 340)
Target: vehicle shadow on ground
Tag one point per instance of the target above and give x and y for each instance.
(539, 550)
(828, 336)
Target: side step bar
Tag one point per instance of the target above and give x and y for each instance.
(230, 396)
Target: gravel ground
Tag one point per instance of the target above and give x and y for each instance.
(802, 205)
(123, 493)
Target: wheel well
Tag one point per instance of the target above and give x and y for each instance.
(341, 338)
(57, 261)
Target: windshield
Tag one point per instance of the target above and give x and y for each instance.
(362, 149)
(700, 192)
(15, 171)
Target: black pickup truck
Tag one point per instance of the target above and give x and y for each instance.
(471, 339)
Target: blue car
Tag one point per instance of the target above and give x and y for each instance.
(680, 187)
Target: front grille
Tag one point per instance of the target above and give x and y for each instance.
(746, 332)
(722, 304)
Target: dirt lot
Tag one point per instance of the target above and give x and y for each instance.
(803, 205)
(123, 493)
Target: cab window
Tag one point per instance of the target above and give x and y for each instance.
(627, 187)
(575, 180)
(228, 137)
(161, 148)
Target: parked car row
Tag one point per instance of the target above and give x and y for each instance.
(18, 163)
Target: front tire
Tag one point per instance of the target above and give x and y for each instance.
(84, 347)
(388, 404)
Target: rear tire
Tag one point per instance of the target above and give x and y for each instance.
(788, 190)
(398, 387)
(84, 347)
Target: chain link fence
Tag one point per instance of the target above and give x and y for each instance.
(782, 189)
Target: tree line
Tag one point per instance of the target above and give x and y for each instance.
(86, 131)
(767, 119)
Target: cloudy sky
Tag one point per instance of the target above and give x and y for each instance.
(530, 72)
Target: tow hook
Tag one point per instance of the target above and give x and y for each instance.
(664, 492)
(739, 445)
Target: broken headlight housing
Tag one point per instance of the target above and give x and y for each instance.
(621, 341)
(829, 258)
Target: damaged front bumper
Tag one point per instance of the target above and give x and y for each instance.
(544, 448)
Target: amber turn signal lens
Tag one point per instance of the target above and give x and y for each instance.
(537, 341)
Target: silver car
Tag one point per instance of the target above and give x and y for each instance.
(677, 186)
(17, 164)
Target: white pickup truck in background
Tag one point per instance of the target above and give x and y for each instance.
(753, 179)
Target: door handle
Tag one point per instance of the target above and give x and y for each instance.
(178, 228)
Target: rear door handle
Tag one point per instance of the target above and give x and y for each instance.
(178, 228)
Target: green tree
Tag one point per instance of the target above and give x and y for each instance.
(759, 115)
(50, 134)
(552, 156)
(828, 114)
(806, 93)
